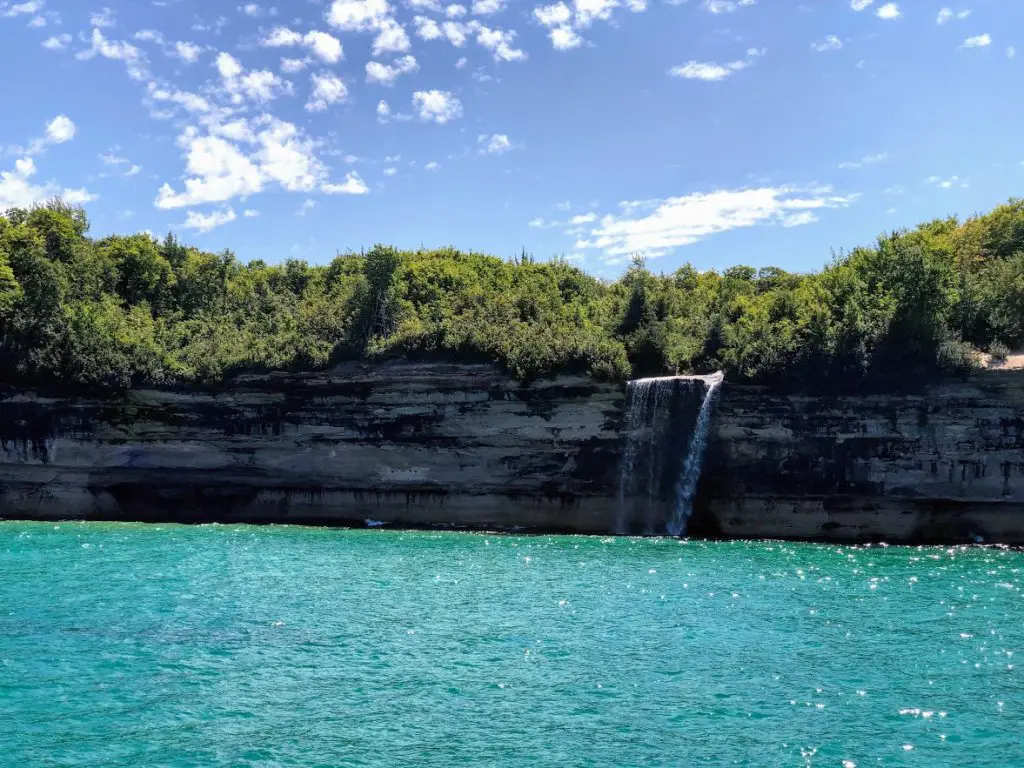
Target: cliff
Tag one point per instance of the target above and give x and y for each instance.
(413, 444)
(943, 465)
(408, 444)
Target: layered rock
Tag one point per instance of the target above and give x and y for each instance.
(406, 444)
(413, 444)
(944, 465)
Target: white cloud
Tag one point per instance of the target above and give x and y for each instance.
(553, 15)
(461, 62)
(495, 144)
(220, 169)
(584, 218)
(60, 129)
(678, 221)
(455, 11)
(587, 11)
(358, 15)
(149, 36)
(487, 7)
(436, 106)
(830, 43)
(104, 18)
(564, 38)
(391, 38)
(328, 89)
(56, 43)
(133, 171)
(708, 71)
(978, 41)
(725, 6)
(878, 157)
(292, 66)
(498, 42)
(22, 9)
(249, 213)
(427, 28)
(455, 33)
(1011, 52)
(79, 196)
(424, 5)
(307, 206)
(889, 11)
(253, 10)
(134, 60)
(390, 171)
(324, 46)
(187, 52)
(353, 185)
(432, 166)
(255, 85)
(205, 222)
(18, 191)
(190, 102)
(537, 223)
(947, 14)
(383, 110)
(386, 74)
(860, 5)
(952, 181)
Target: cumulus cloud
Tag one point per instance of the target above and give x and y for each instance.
(655, 227)
(186, 51)
(240, 158)
(57, 42)
(432, 166)
(104, 18)
(889, 11)
(17, 190)
(60, 129)
(708, 71)
(358, 15)
(201, 222)
(488, 7)
(383, 110)
(860, 5)
(22, 9)
(830, 43)
(324, 46)
(353, 185)
(436, 106)
(386, 74)
(564, 22)
(725, 6)
(978, 41)
(947, 14)
(495, 144)
(254, 85)
(327, 89)
(391, 38)
(118, 50)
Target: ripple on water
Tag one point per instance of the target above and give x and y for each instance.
(225, 645)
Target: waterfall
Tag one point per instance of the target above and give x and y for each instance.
(686, 488)
(666, 439)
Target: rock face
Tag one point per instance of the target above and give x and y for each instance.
(946, 465)
(413, 444)
(406, 444)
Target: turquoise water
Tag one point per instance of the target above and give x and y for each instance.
(128, 645)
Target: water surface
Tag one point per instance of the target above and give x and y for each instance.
(131, 645)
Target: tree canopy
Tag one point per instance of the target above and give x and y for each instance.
(123, 311)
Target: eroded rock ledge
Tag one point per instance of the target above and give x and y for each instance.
(428, 444)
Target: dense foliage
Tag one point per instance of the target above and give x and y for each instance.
(122, 311)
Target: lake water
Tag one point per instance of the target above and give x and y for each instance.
(132, 645)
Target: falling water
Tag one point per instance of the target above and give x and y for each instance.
(686, 488)
(652, 469)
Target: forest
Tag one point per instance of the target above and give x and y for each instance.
(84, 314)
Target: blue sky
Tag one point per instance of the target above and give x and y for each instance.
(711, 131)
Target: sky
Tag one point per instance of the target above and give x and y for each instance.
(715, 132)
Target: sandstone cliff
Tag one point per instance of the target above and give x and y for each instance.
(418, 444)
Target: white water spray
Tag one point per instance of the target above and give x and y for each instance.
(686, 489)
(650, 411)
